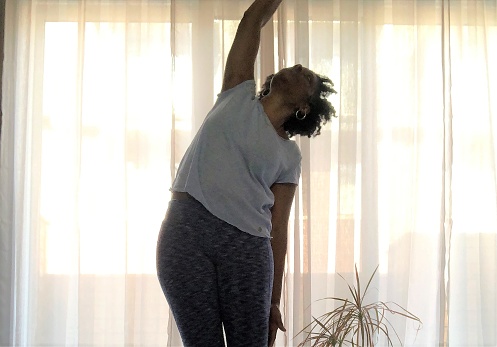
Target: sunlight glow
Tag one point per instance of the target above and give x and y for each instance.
(106, 141)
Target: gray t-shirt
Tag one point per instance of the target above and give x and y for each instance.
(235, 158)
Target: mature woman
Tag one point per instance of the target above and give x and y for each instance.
(221, 248)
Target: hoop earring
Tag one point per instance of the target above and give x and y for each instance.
(301, 117)
(265, 92)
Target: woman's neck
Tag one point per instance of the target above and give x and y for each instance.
(277, 112)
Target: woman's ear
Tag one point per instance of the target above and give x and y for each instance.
(305, 109)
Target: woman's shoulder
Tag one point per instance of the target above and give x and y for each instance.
(239, 98)
(246, 87)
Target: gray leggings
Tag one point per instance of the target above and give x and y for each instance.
(214, 275)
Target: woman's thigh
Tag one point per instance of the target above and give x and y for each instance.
(245, 274)
(188, 278)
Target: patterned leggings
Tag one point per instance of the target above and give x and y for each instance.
(214, 275)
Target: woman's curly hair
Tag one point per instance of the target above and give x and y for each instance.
(321, 109)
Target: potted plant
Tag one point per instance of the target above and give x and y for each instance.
(355, 322)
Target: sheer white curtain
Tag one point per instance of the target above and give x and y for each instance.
(472, 51)
(101, 98)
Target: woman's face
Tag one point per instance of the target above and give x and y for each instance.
(297, 83)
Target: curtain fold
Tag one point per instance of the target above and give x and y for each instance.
(472, 305)
(101, 99)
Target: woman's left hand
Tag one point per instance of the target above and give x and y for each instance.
(275, 323)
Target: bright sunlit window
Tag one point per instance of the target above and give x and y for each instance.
(113, 155)
(107, 139)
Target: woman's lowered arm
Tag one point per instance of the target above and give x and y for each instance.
(283, 200)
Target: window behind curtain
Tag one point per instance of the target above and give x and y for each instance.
(116, 91)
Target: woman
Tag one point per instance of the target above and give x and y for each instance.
(221, 248)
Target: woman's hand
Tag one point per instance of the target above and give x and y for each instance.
(275, 323)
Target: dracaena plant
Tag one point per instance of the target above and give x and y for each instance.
(355, 322)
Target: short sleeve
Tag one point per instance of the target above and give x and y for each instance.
(292, 175)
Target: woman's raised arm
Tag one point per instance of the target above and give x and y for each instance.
(241, 58)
